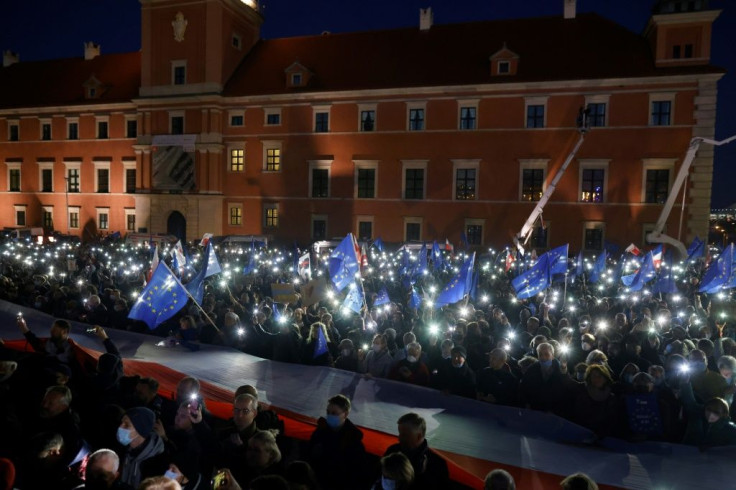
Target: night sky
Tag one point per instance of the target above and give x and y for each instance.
(44, 29)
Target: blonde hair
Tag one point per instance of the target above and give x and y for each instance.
(314, 328)
(268, 439)
(397, 467)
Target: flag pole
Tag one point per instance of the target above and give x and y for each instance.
(192, 298)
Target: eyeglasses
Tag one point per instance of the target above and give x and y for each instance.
(244, 411)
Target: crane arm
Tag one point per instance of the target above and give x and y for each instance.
(656, 235)
(521, 238)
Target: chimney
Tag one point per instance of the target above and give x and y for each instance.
(570, 8)
(91, 50)
(10, 58)
(425, 19)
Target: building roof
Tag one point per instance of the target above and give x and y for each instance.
(62, 82)
(549, 48)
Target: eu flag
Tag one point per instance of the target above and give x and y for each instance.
(161, 299)
(665, 282)
(355, 297)
(459, 286)
(436, 256)
(696, 249)
(579, 265)
(382, 298)
(533, 281)
(719, 273)
(473, 293)
(210, 266)
(378, 244)
(320, 347)
(558, 260)
(598, 268)
(645, 273)
(415, 300)
(343, 263)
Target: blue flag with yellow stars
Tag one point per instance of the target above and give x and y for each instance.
(533, 281)
(718, 274)
(161, 299)
(459, 286)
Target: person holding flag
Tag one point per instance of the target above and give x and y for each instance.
(317, 347)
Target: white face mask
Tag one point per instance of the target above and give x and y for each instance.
(377, 348)
(345, 352)
(411, 359)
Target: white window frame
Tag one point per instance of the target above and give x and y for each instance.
(599, 99)
(74, 209)
(47, 209)
(182, 115)
(272, 145)
(271, 111)
(656, 164)
(16, 209)
(661, 97)
(101, 119)
(101, 211)
(321, 165)
(467, 103)
(102, 165)
(176, 64)
(130, 212)
(416, 105)
(41, 123)
(270, 205)
(365, 219)
(532, 164)
(465, 164)
(230, 207)
(365, 165)
(128, 165)
(367, 107)
(538, 100)
(473, 222)
(318, 109)
(72, 165)
(41, 167)
(594, 225)
(590, 164)
(414, 219)
(234, 113)
(15, 124)
(15, 166)
(319, 217)
(413, 164)
(69, 122)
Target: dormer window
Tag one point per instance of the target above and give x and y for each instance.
(92, 88)
(297, 75)
(504, 62)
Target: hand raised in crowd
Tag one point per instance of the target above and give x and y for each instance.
(196, 415)
(100, 332)
(21, 322)
(721, 326)
(226, 482)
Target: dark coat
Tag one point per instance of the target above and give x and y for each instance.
(430, 469)
(500, 383)
(457, 381)
(550, 394)
(338, 456)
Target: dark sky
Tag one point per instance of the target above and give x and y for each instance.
(43, 29)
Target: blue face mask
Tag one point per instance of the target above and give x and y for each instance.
(388, 484)
(699, 366)
(124, 437)
(333, 421)
(545, 364)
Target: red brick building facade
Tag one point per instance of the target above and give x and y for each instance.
(418, 133)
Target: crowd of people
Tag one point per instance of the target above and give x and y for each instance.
(636, 366)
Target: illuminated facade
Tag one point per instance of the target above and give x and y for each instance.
(408, 134)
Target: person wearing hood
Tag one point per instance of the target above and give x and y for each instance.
(457, 378)
(336, 450)
(144, 452)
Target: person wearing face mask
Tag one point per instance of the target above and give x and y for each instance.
(496, 384)
(544, 387)
(144, 452)
(336, 450)
(348, 358)
(595, 407)
(396, 473)
(457, 378)
(377, 361)
(412, 369)
(706, 383)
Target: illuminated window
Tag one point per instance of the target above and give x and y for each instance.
(73, 217)
(271, 215)
(532, 185)
(272, 156)
(237, 159)
(236, 215)
(593, 181)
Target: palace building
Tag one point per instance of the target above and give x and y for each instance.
(418, 133)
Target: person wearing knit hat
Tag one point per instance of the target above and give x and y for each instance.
(141, 443)
(460, 351)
